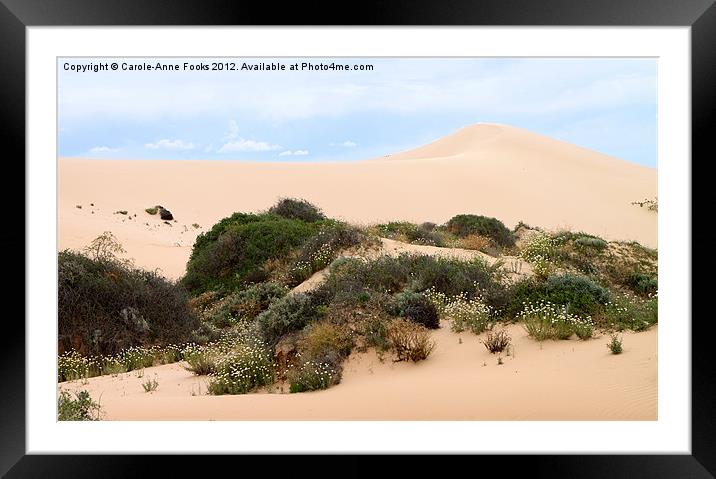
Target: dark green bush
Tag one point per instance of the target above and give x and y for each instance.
(464, 225)
(590, 242)
(350, 279)
(579, 293)
(233, 253)
(246, 304)
(415, 307)
(297, 209)
(82, 408)
(643, 284)
(314, 375)
(105, 305)
(289, 314)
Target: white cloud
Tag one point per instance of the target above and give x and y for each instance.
(243, 145)
(346, 144)
(233, 131)
(103, 149)
(487, 86)
(294, 153)
(236, 144)
(168, 144)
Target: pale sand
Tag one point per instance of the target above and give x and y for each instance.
(559, 380)
(493, 170)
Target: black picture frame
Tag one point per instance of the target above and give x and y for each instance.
(16, 15)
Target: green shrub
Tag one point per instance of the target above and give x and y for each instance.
(81, 408)
(540, 251)
(105, 305)
(584, 330)
(350, 278)
(291, 313)
(150, 385)
(630, 312)
(323, 339)
(580, 294)
(313, 376)
(615, 344)
(297, 209)
(321, 249)
(592, 242)
(415, 307)
(464, 225)
(375, 333)
(201, 360)
(242, 370)
(246, 304)
(233, 253)
(467, 314)
(545, 320)
(642, 284)
(152, 211)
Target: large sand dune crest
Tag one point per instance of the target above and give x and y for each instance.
(494, 170)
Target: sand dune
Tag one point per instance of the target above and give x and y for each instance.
(494, 170)
(558, 380)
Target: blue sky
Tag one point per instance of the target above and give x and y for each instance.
(608, 105)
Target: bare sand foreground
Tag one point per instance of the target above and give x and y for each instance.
(558, 380)
(495, 170)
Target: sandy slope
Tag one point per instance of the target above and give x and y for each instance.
(494, 170)
(560, 380)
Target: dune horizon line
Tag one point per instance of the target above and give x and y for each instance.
(470, 129)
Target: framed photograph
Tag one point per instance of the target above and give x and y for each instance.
(440, 231)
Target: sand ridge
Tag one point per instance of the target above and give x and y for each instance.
(495, 170)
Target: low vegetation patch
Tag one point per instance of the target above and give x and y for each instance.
(322, 340)
(243, 368)
(425, 234)
(244, 305)
(629, 312)
(615, 344)
(410, 341)
(465, 225)
(79, 408)
(312, 375)
(463, 312)
(289, 314)
(150, 385)
(649, 204)
(497, 341)
(297, 209)
(545, 320)
(71, 365)
(415, 307)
